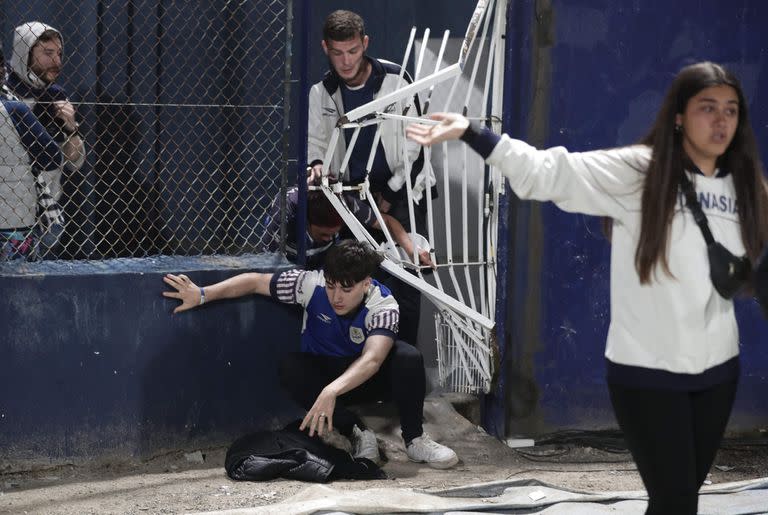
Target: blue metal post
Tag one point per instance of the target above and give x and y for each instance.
(305, 13)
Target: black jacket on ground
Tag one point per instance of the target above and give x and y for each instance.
(293, 454)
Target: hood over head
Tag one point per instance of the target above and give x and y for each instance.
(25, 36)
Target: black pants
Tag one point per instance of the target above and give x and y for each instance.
(673, 437)
(400, 379)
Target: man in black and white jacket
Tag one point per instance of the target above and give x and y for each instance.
(354, 79)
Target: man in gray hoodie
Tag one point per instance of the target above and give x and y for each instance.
(26, 151)
(36, 63)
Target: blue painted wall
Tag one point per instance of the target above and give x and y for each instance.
(94, 363)
(600, 69)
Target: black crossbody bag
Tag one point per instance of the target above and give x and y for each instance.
(729, 273)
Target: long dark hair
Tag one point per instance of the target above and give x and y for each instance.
(668, 160)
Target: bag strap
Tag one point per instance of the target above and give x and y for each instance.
(692, 202)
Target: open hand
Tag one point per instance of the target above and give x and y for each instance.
(186, 291)
(319, 418)
(451, 126)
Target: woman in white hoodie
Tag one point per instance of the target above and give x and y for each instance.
(672, 347)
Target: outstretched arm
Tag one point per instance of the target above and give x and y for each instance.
(192, 295)
(598, 182)
(363, 368)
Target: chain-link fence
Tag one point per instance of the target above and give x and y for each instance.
(182, 109)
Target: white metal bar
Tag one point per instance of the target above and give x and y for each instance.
(461, 351)
(407, 164)
(462, 263)
(374, 147)
(468, 351)
(489, 71)
(430, 291)
(436, 295)
(362, 124)
(473, 333)
(477, 351)
(481, 218)
(466, 46)
(348, 153)
(403, 93)
(329, 155)
(469, 36)
(464, 182)
(483, 181)
(349, 219)
(377, 136)
(479, 54)
(379, 218)
(465, 350)
(465, 224)
(448, 219)
(430, 217)
(408, 48)
(420, 61)
(438, 63)
(409, 119)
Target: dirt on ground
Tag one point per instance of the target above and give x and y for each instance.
(191, 482)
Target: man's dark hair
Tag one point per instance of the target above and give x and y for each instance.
(320, 211)
(47, 35)
(351, 261)
(343, 25)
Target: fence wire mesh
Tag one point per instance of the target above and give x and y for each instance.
(182, 110)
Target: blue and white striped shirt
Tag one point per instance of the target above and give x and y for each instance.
(323, 331)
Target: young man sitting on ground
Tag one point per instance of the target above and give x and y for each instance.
(349, 353)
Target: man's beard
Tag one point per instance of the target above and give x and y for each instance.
(44, 75)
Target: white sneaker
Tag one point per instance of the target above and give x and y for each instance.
(425, 450)
(364, 445)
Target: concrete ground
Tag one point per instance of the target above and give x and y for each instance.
(179, 482)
